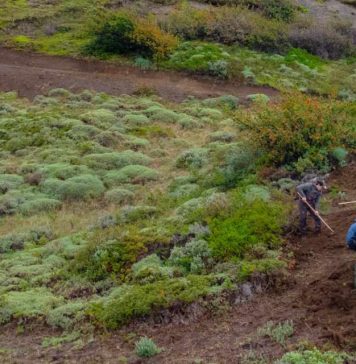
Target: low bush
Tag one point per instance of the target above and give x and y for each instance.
(150, 269)
(227, 101)
(67, 315)
(278, 332)
(222, 136)
(115, 159)
(127, 302)
(184, 191)
(164, 116)
(63, 171)
(193, 158)
(232, 162)
(10, 182)
(135, 119)
(100, 260)
(258, 222)
(41, 205)
(127, 34)
(101, 118)
(30, 303)
(194, 257)
(80, 187)
(314, 356)
(146, 348)
(131, 174)
(134, 213)
(119, 196)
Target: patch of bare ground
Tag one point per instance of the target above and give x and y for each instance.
(32, 74)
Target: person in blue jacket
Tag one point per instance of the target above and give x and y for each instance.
(351, 236)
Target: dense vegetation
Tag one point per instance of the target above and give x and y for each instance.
(270, 42)
(137, 160)
(112, 209)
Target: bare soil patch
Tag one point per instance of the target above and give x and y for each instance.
(32, 74)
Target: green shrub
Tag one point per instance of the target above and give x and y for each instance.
(278, 332)
(150, 269)
(194, 257)
(193, 158)
(340, 155)
(135, 119)
(63, 171)
(119, 196)
(254, 192)
(314, 356)
(188, 122)
(30, 303)
(228, 101)
(232, 163)
(80, 187)
(98, 261)
(83, 132)
(249, 224)
(189, 209)
(186, 190)
(132, 173)
(259, 98)
(115, 160)
(222, 136)
(127, 302)
(164, 116)
(321, 126)
(114, 36)
(100, 118)
(10, 182)
(146, 348)
(41, 205)
(66, 315)
(59, 92)
(134, 213)
(126, 34)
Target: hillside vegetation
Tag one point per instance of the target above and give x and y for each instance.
(275, 43)
(113, 209)
(119, 210)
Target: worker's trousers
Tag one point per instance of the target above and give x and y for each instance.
(303, 211)
(352, 244)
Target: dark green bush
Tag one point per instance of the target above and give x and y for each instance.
(114, 37)
(127, 302)
(257, 222)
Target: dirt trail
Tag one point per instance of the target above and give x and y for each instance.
(31, 74)
(319, 298)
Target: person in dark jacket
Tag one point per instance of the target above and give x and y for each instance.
(310, 192)
(351, 236)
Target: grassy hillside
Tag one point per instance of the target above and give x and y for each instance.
(112, 208)
(279, 44)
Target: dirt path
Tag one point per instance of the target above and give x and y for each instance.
(319, 298)
(31, 74)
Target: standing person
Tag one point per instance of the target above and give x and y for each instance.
(310, 192)
(351, 236)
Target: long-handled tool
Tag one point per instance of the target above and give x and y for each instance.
(316, 214)
(346, 203)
